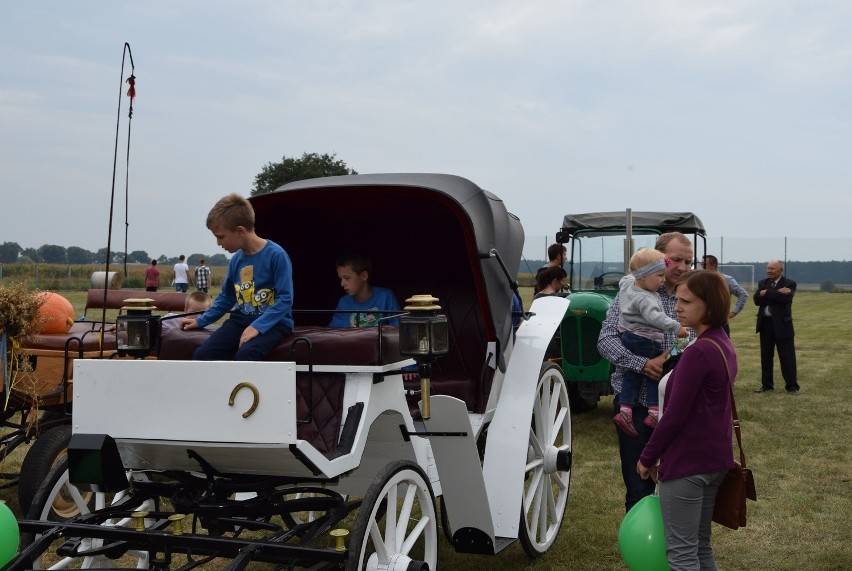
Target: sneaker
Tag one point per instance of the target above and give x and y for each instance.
(651, 421)
(624, 420)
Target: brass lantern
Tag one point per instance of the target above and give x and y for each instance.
(137, 330)
(423, 336)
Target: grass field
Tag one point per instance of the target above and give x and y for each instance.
(798, 447)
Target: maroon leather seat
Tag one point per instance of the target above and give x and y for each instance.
(326, 345)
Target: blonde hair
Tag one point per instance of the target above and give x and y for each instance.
(201, 297)
(644, 257)
(231, 211)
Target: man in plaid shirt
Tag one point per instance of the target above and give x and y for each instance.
(202, 277)
(678, 251)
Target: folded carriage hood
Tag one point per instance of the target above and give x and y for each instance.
(422, 231)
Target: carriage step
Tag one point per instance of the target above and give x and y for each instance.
(472, 540)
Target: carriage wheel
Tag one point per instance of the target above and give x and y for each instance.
(57, 497)
(396, 527)
(49, 449)
(548, 472)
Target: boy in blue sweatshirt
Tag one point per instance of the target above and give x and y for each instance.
(258, 289)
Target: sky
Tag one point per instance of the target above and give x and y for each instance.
(738, 111)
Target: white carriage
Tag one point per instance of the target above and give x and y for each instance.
(269, 461)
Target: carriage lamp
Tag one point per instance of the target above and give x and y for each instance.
(423, 336)
(137, 330)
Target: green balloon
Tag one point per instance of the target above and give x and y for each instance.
(9, 534)
(641, 538)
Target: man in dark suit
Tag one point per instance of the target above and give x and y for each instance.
(774, 299)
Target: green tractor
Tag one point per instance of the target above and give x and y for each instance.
(599, 248)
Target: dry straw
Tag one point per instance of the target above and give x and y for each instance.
(19, 318)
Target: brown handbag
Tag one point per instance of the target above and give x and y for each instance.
(738, 485)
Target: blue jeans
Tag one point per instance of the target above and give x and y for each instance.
(629, 449)
(643, 347)
(224, 343)
(687, 506)
(181, 287)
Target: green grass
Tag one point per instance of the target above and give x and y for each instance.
(798, 447)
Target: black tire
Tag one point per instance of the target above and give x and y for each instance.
(49, 504)
(56, 500)
(50, 448)
(374, 509)
(578, 403)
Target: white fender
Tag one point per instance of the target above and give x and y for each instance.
(509, 432)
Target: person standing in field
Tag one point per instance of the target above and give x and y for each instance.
(692, 441)
(202, 277)
(774, 300)
(678, 251)
(557, 254)
(711, 263)
(152, 277)
(181, 274)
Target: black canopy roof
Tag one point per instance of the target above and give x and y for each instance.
(685, 222)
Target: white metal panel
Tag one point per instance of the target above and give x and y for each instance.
(184, 400)
(457, 460)
(509, 431)
(261, 459)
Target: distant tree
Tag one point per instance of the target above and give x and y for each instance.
(77, 255)
(52, 254)
(217, 260)
(827, 286)
(138, 257)
(290, 169)
(31, 255)
(116, 258)
(9, 252)
(192, 259)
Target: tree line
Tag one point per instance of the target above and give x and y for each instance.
(271, 176)
(12, 252)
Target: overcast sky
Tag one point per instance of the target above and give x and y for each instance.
(737, 110)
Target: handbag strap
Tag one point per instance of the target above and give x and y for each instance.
(734, 418)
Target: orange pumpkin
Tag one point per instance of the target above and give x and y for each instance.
(57, 314)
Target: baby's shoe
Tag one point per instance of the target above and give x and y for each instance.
(653, 417)
(624, 420)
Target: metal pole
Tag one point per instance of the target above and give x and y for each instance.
(628, 241)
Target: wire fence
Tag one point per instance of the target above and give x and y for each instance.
(816, 263)
(737, 250)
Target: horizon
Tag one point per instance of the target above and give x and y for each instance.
(551, 106)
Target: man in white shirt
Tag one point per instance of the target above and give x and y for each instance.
(181, 275)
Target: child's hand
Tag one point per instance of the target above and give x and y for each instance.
(188, 323)
(683, 332)
(249, 333)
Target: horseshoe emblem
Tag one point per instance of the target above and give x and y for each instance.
(254, 392)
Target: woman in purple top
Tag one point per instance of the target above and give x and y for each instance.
(693, 439)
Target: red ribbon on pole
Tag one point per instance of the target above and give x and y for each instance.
(131, 91)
